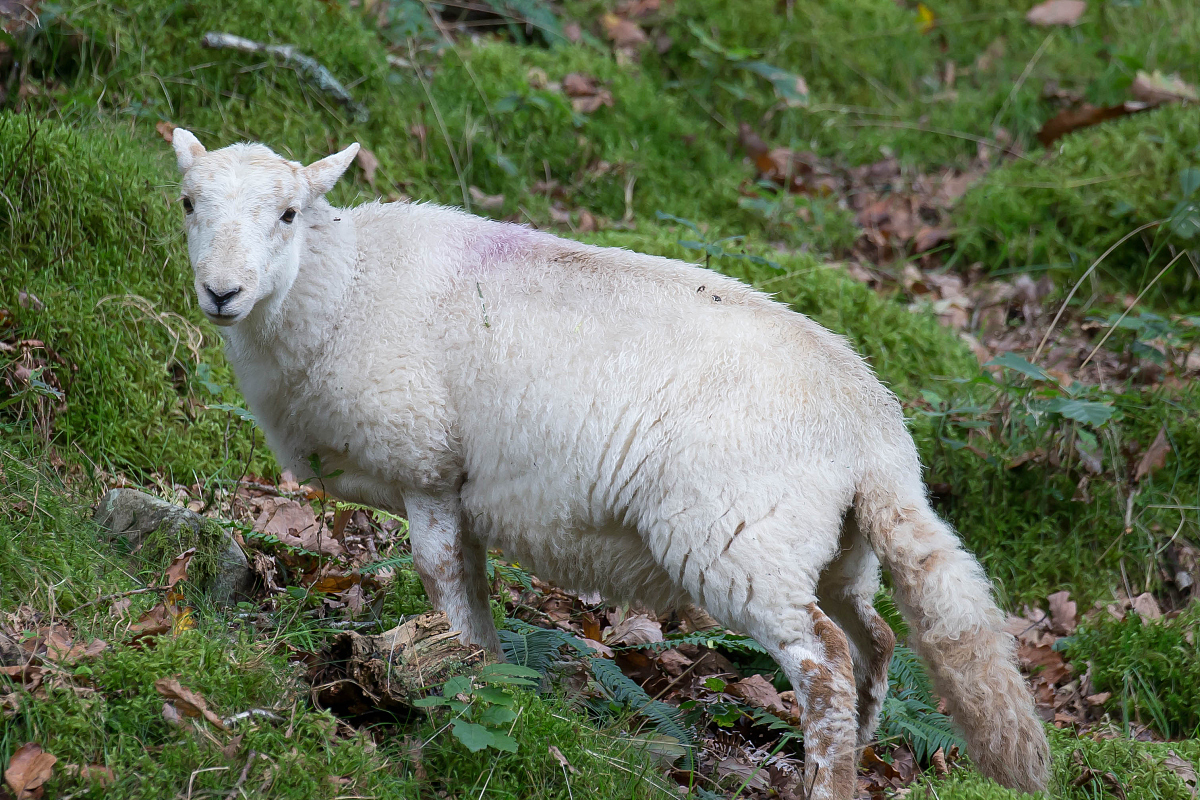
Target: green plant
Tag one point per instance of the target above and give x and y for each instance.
(481, 705)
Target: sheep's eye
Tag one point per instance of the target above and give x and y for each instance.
(288, 216)
(187, 205)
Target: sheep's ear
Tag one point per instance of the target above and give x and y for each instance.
(323, 174)
(187, 148)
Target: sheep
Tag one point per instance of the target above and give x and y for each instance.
(618, 422)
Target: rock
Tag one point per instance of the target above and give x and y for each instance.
(158, 530)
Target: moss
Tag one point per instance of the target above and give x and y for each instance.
(90, 232)
(1060, 213)
(1137, 767)
(1151, 667)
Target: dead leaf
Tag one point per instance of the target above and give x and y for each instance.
(1045, 662)
(623, 33)
(295, 525)
(166, 130)
(230, 750)
(1184, 769)
(1155, 457)
(488, 202)
(1146, 606)
(634, 629)
(758, 691)
(674, 663)
(939, 763)
(187, 702)
(746, 775)
(1057, 12)
(586, 93)
(171, 715)
(1156, 88)
(368, 163)
(177, 571)
(29, 767)
(1083, 116)
(97, 773)
(562, 760)
(1062, 613)
(928, 238)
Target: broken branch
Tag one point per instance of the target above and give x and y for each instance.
(307, 65)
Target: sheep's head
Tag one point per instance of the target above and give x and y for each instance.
(244, 210)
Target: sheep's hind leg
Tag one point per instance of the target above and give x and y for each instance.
(846, 593)
(452, 565)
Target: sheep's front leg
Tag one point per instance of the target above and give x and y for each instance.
(452, 566)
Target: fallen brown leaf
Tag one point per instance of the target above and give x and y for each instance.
(1155, 457)
(758, 691)
(187, 702)
(1156, 88)
(1083, 116)
(29, 767)
(488, 202)
(928, 238)
(1184, 769)
(368, 163)
(97, 773)
(586, 93)
(562, 760)
(634, 629)
(177, 571)
(1146, 606)
(623, 33)
(1062, 613)
(1057, 12)
(1048, 662)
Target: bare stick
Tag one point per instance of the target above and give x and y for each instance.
(237, 787)
(307, 65)
(1082, 278)
(1132, 306)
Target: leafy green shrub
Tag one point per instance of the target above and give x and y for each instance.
(1152, 668)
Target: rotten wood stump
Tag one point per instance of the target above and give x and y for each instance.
(360, 675)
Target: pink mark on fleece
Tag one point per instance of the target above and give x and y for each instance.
(503, 246)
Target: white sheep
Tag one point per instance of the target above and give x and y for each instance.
(618, 422)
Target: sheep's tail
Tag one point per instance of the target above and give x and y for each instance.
(956, 628)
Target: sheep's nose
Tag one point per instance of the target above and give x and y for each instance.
(223, 298)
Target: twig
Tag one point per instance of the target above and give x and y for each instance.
(1083, 278)
(970, 137)
(253, 712)
(437, 114)
(1132, 305)
(306, 65)
(1020, 81)
(192, 777)
(237, 787)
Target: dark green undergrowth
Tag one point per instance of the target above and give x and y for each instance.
(1151, 667)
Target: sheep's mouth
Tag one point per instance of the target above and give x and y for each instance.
(224, 320)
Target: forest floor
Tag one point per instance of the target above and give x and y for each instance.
(997, 205)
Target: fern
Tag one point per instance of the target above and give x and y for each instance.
(624, 691)
(536, 648)
(387, 563)
(712, 639)
(909, 718)
(907, 673)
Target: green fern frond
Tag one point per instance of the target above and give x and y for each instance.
(387, 563)
(907, 673)
(885, 604)
(920, 726)
(711, 639)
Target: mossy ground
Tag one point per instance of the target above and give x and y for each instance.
(91, 231)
